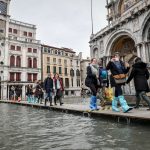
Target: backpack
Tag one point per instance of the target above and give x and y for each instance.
(103, 74)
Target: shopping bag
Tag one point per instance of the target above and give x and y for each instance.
(109, 94)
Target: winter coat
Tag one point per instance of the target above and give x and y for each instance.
(38, 90)
(114, 71)
(61, 84)
(91, 78)
(140, 75)
(48, 85)
(29, 91)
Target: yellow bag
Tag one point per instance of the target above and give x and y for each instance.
(109, 94)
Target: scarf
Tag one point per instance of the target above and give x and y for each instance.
(94, 69)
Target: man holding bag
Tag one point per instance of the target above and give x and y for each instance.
(117, 79)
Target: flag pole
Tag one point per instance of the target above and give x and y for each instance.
(92, 15)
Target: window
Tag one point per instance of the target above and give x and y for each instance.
(18, 76)
(18, 48)
(59, 53)
(72, 81)
(65, 71)
(12, 76)
(10, 30)
(78, 82)
(60, 70)
(71, 62)
(34, 76)
(45, 49)
(54, 69)
(30, 34)
(77, 73)
(48, 69)
(59, 61)
(56, 52)
(66, 82)
(66, 54)
(18, 61)
(34, 63)
(72, 73)
(0, 53)
(34, 50)
(29, 77)
(48, 59)
(12, 61)
(12, 47)
(54, 60)
(29, 50)
(15, 31)
(77, 63)
(29, 62)
(25, 33)
(65, 62)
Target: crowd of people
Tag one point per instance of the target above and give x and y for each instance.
(97, 79)
(50, 90)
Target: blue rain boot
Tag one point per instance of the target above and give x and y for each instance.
(92, 103)
(124, 104)
(114, 104)
(95, 102)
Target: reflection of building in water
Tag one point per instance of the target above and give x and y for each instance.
(20, 53)
(128, 32)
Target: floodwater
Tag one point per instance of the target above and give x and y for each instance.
(26, 128)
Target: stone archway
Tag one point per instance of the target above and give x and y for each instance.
(125, 45)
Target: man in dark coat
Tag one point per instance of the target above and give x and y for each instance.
(140, 75)
(48, 87)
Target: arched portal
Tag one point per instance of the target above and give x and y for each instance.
(125, 45)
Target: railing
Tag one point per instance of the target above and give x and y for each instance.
(24, 39)
(22, 23)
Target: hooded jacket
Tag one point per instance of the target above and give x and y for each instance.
(140, 75)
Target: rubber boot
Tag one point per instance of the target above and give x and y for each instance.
(145, 98)
(124, 104)
(92, 103)
(60, 100)
(114, 104)
(95, 102)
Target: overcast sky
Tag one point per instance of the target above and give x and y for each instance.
(62, 23)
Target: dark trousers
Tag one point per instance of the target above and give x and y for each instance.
(93, 89)
(142, 95)
(118, 90)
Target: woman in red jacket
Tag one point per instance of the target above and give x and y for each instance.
(58, 88)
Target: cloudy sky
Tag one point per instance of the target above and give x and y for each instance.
(62, 23)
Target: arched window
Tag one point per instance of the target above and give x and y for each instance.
(77, 73)
(29, 62)
(12, 61)
(34, 63)
(18, 61)
(72, 73)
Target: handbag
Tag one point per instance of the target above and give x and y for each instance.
(120, 78)
(109, 94)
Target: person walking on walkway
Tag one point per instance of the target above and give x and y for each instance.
(118, 78)
(92, 81)
(48, 87)
(58, 89)
(140, 75)
(29, 93)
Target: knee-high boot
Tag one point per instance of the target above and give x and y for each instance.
(95, 102)
(45, 101)
(124, 104)
(138, 99)
(145, 98)
(114, 104)
(92, 103)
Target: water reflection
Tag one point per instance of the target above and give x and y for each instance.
(25, 128)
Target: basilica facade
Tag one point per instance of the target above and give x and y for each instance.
(128, 32)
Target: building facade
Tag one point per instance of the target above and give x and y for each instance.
(20, 53)
(128, 32)
(66, 63)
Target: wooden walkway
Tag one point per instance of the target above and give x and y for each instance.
(141, 115)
